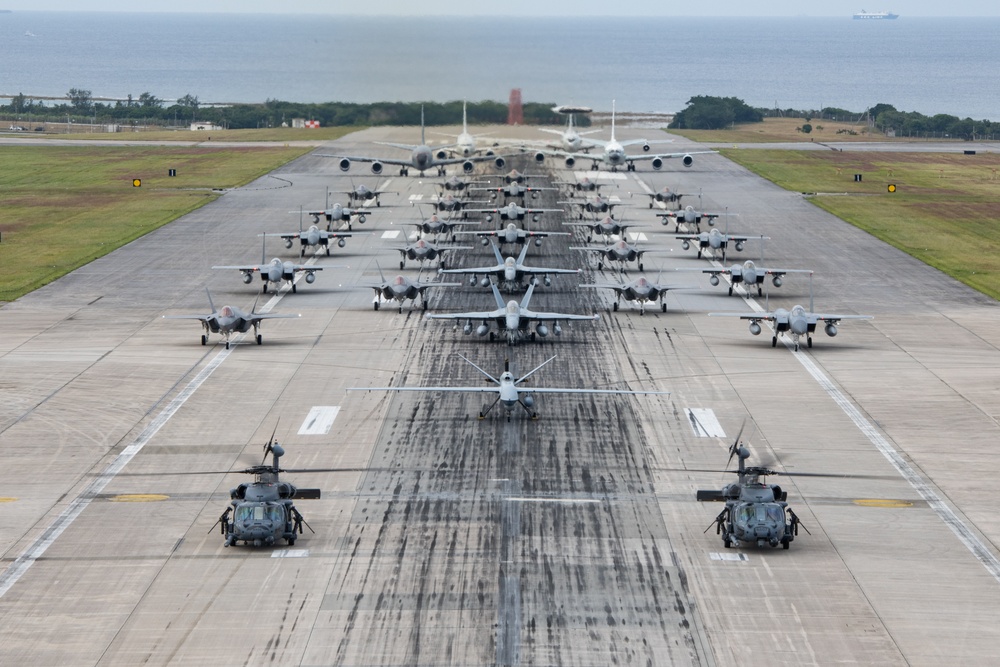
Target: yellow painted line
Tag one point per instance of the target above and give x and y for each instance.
(882, 502)
(7, 499)
(139, 498)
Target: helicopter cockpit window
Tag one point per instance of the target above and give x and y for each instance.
(774, 514)
(745, 514)
(246, 512)
(275, 513)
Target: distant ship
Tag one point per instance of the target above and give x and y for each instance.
(863, 15)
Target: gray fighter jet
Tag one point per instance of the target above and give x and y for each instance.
(436, 226)
(339, 213)
(509, 392)
(402, 288)
(275, 271)
(512, 319)
(690, 216)
(715, 240)
(749, 274)
(229, 320)
(514, 189)
(595, 203)
(423, 251)
(641, 290)
(361, 193)
(509, 272)
(512, 211)
(605, 227)
(515, 235)
(795, 322)
(621, 251)
(664, 196)
(315, 238)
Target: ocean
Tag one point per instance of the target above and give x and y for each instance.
(929, 65)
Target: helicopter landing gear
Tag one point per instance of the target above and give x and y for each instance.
(204, 339)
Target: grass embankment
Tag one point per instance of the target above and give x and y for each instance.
(64, 206)
(274, 134)
(782, 130)
(945, 210)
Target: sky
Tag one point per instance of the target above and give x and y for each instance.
(528, 7)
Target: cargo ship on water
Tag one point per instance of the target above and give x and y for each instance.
(874, 16)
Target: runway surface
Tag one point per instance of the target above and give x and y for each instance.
(573, 539)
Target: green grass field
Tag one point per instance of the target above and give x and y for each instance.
(945, 211)
(64, 206)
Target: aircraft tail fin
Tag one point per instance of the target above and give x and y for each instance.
(528, 374)
(527, 295)
(423, 142)
(465, 122)
(612, 120)
(496, 295)
(496, 252)
(381, 277)
(210, 304)
(524, 252)
(263, 249)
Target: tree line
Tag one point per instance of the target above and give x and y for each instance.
(80, 106)
(704, 112)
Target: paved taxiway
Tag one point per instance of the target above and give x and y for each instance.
(574, 539)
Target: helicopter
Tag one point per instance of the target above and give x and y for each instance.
(263, 511)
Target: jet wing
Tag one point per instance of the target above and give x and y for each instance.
(531, 270)
(769, 317)
(256, 317)
(468, 390)
(482, 315)
(475, 269)
(833, 319)
(384, 160)
(662, 156)
(548, 317)
(203, 318)
(617, 288)
(246, 268)
(556, 390)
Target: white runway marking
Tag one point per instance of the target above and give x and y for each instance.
(416, 197)
(730, 557)
(390, 234)
(704, 423)
(319, 421)
(290, 553)
(638, 236)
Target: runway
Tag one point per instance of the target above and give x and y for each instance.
(443, 539)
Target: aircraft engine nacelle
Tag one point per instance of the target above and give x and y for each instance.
(714, 280)
(776, 281)
(645, 148)
(376, 168)
(755, 328)
(489, 152)
(247, 278)
(468, 166)
(538, 243)
(361, 218)
(485, 240)
(547, 281)
(499, 162)
(739, 248)
(570, 162)
(831, 330)
(441, 155)
(489, 217)
(341, 242)
(485, 282)
(310, 277)
(539, 157)
(288, 243)
(528, 401)
(687, 160)
(686, 245)
(467, 329)
(556, 329)
(482, 329)
(656, 163)
(535, 218)
(345, 164)
(542, 330)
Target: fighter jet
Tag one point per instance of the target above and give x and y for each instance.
(514, 189)
(275, 271)
(361, 193)
(595, 203)
(512, 319)
(509, 272)
(582, 185)
(514, 234)
(337, 212)
(715, 240)
(437, 226)
(749, 274)
(422, 251)
(605, 227)
(422, 158)
(229, 320)
(796, 322)
(664, 196)
(642, 290)
(402, 288)
(689, 216)
(452, 204)
(314, 238)
(455, 183)
(613, 153)
(508, 391)
(621, 252)
(514, 212)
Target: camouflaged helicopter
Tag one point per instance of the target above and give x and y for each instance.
(263, 511)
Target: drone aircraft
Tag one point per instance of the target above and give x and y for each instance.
(796, 322)
(508, 391)
(402, 288)
(263, 511)
(229, 320)
(509, 272)
(275, 271)
(512, 319)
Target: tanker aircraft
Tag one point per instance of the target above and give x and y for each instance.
(422, 158)
(508, 391)
(512, 319)
(509, 272)
(229, 320)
